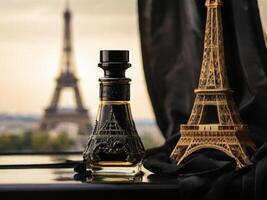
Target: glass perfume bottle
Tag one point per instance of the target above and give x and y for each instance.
(114, 148)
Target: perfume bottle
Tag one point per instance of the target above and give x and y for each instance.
(114, 147)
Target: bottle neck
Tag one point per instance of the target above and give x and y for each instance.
(114, 102)
(114, 89)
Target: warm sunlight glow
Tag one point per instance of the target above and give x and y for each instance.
(31, 38)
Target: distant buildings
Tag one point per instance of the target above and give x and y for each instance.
(18, 124)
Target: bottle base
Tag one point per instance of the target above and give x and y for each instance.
(115, 170)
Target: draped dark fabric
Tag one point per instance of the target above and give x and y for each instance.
(172, 33)
(210, 175)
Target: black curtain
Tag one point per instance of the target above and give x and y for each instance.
(172, 33)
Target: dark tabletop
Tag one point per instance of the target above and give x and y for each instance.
(31, 176)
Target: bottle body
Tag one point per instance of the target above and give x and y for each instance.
(114, 146)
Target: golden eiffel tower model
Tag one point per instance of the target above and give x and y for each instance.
(214, 122)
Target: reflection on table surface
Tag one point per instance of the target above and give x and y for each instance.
(43, 169)
(38, 158)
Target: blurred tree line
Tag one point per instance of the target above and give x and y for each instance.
(149, 140)
(34, 141)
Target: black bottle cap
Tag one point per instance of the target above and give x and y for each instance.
(114, 56)
(114, 63)
(114, 86)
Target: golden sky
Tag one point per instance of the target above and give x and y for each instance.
(31, 41)
(263, 12)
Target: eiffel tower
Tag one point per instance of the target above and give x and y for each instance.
(214, 121)
(67, 79)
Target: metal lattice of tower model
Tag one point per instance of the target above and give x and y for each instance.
(67, 79)
(214, 121)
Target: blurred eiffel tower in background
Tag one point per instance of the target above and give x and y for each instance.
(67, 79)
(214, 121)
